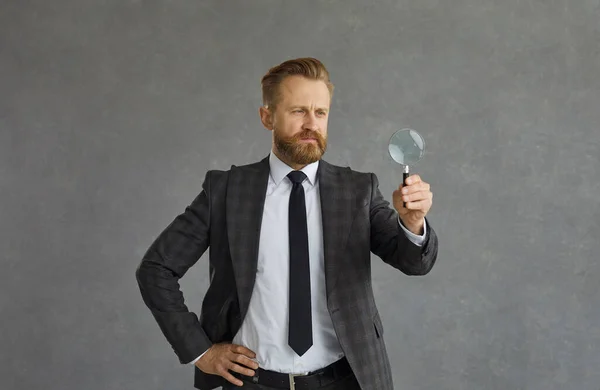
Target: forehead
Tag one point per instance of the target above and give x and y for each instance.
(298, 90)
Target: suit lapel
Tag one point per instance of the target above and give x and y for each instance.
(337, 209)
(246, 192)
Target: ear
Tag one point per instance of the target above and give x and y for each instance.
(266, 117)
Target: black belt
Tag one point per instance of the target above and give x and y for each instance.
(323, 377)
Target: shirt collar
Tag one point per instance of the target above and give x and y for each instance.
(279, 170)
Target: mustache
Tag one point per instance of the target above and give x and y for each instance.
(308, 134)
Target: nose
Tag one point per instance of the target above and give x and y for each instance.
(310, 122)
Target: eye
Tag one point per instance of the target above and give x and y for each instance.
(297, 111)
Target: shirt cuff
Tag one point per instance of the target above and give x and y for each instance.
(198, 358)
(414, 238)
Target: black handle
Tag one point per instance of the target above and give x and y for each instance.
(404, 177)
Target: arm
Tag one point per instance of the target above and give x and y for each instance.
(176, 249)
(390, 242)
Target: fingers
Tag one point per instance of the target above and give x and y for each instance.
(414, 198)
(223, 369)
(418, 205)
(227, 375)
(241, 359)
(240, 349)
(224, 359)
(419, 186)
(240, 369)
(417, 196)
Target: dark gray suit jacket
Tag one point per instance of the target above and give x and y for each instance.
(226, 218)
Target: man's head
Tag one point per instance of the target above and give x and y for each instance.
(296, 100)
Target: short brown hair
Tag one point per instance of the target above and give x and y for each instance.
(308, 67)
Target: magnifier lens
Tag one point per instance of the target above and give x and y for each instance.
(406, 147)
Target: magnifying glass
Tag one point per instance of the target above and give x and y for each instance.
(406, 147)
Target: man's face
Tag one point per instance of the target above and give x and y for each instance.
(299, 122)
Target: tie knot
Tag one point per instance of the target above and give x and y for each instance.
(297, 177)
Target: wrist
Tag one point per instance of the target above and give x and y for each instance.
(415, 227)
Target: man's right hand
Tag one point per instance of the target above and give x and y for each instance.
(221, 358)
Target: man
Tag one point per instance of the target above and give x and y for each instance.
(290, 302)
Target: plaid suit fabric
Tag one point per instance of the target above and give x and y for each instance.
(226, 218)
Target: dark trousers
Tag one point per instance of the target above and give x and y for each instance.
(348, 383)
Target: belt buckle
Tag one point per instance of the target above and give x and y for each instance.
(292, 380)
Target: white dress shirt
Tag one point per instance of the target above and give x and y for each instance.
(265, 328)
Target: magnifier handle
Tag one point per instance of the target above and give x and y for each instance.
(405, 175)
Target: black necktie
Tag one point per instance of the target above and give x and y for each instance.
(300, 322)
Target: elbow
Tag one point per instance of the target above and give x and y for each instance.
(142, 275)
(426, 263)
(139, 273)
(420, 263)
(147, 273)
(420, 269)
(150, 271)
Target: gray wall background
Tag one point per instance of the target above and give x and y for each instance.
(112, 111)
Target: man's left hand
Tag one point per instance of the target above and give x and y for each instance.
(418, 197)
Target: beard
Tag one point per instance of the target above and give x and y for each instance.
(298, 152)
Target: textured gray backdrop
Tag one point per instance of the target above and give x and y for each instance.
(112, 111)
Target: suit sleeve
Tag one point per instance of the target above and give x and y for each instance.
(391, 244)
(175, 250)
(415, 238)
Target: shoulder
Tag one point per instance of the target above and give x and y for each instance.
(360, 177)
(219, 177)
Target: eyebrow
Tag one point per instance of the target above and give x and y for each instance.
(305, 107)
